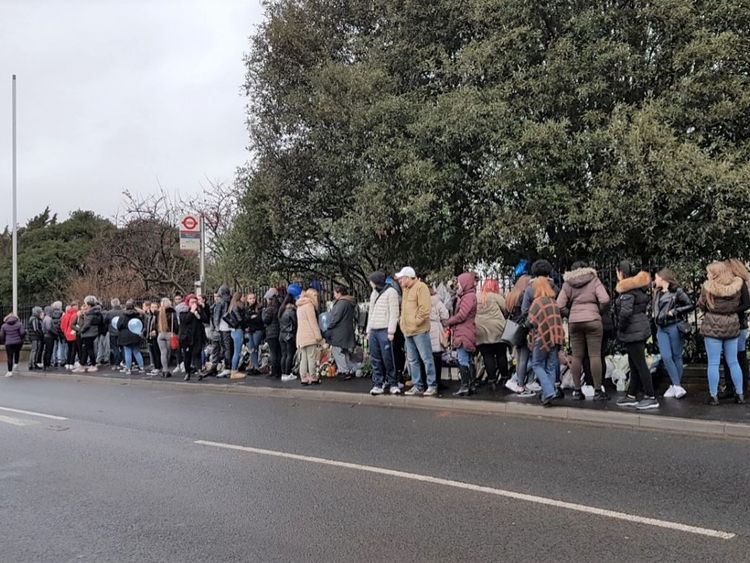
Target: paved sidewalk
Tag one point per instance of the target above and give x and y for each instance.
(688, 415)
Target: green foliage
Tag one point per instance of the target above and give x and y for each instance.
(444, 134)
(50, 254)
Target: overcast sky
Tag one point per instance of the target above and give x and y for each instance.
(120, 94)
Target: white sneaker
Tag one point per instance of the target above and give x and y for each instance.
(9, 374)
(181, 368)
(224, 373)
(93, 369)
(431, 392)
(414, 392)
(290, 377)
(534, 386)
(154, 372)
(395, 390)
(127, 372)
(376, 390)
(670, 393)
(512, 385)
(77, 365)
(679, 392)
(526, 393)
(79, 369)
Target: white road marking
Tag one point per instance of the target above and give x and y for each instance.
(481, 489)
(31, 413)
(16, 421)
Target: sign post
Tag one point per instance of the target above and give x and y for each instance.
(192, 240)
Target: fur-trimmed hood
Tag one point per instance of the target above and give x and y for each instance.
(639, 281)
(714, 287)
(579, 277)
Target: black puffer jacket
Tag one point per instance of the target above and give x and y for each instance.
(125, 336)
(288, 322)
(631, 308)
(92, 321)
(271, 319)
(677, 302)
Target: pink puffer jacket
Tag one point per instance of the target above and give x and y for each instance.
(462, 322)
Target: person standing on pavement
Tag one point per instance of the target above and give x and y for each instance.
(254, 331)
(36, 337)
(166, 327)
(340, 334)
(270, 317)
(288, 336)
(12, 334)
(235, 318)
(49, 338)
(490, 323)
(438, 314)
(382, 323)
(720, 301)
(152, 337)
(67, 325)
(670, 306)
(514, 305)
(633, 330)
(582, 299)
(192, 334)
(130, 336)
(415, 324)
(308, 337)
(463, 330)
(112, 320)
(740, 270)
(222, 336)
(91, 322)
(546, 336)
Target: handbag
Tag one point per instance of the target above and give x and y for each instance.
(514, 333)
(685, 328)
(174, 341)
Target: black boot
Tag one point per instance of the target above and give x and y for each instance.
(472, 379)
(464, 390)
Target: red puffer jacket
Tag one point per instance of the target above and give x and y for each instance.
(462, 322)
(67, 322)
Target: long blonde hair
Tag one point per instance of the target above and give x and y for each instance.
(165, 303)
(721, 273)
(738, 268)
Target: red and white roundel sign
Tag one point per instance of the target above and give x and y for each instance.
(189, 223)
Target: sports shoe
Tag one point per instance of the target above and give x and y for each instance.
(713, 400)
(376, 389)
(578, 395)
(127, 372)
(79, 369)
(512, 385)
(526, 393)
(533, 386)
(679, 392)
(395, 390)
(224, 373)
(40, 366)
(9, 374)
(414, 392)
(431, 392)
(600, 395)
(647, 403)
(627, 401)
(154, 372)
(670, 393)
(92, 369)
(290, 377)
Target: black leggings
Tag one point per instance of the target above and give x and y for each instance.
(88, 351)
(13, 351)
(49, 347)
(495, 358)
(191, 355)
(288, 349)
(640, 376)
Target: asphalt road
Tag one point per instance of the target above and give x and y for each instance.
(123, 479)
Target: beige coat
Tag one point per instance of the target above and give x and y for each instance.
(415, 309)
(308, 330)
(438, 312)
(490, 319)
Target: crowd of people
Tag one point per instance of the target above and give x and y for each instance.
(409, 327)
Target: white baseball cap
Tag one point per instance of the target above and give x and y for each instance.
(407, 272)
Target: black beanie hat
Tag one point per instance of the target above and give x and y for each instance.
(541, 268)
(378, 278)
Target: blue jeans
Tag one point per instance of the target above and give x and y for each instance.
(670, 348)
(420, 346)
(545, 364)
(130, 353)
(381, 358)
(742, 342)
(253, 342)
(714, 348)
(464, 358)
(238, 338)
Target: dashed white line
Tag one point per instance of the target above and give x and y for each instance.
(482, 489)
(32, 413)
